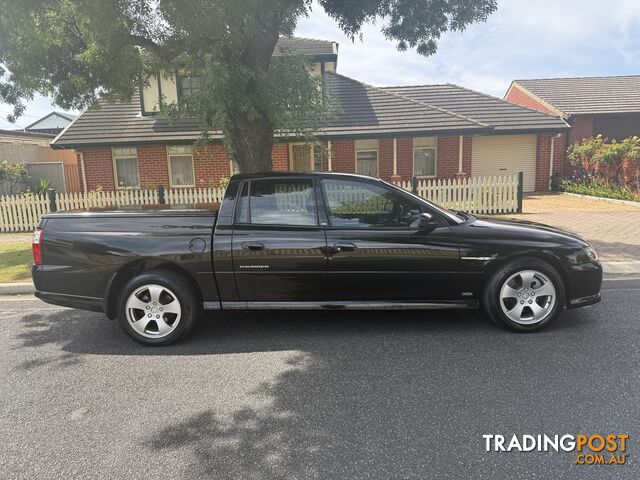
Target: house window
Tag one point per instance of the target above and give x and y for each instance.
(181, 172)
(233, 167)
(188, 86)
(424, 156)
(305, 157)
(367, 157)
(125, 167)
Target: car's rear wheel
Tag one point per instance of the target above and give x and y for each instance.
(525, 295)
(157, 308)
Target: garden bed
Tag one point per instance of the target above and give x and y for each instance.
(600, 191)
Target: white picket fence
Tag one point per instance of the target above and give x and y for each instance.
(21, 213)
(484, 195)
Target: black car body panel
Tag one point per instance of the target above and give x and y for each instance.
(486, 243)
(85, 253)
(88, 256)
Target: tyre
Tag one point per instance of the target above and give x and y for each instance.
(525, 295)
(157, 308)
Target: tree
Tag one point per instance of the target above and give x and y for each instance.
(78, 50)
(13, 176)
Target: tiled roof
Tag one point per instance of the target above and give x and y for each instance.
(367, 110)
(362, 111)
(305, 46)
(588, 95)
(497, 113)
(122, 123)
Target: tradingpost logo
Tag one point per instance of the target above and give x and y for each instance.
(592, 449)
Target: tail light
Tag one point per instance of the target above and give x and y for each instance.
(36, 246)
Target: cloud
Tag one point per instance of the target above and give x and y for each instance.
(523, 39)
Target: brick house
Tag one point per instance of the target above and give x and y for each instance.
(609, 106)
(428, 131)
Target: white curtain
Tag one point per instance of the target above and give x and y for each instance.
(424, 162)
(127, 171)
(367, 163)
(182, 171)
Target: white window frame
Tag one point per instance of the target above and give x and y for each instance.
(124, 152)
(367, 146)
(425, 141)
(180, 151)
(311, 157)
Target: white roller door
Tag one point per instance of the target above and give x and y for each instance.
(505, 155)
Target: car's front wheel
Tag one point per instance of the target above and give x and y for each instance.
(157, 308)
(525, 295)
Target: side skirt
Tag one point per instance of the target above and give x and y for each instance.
(466, 304)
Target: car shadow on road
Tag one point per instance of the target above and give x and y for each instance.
(75, 333)
(243, 332)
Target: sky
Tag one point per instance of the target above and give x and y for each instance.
(522, 39)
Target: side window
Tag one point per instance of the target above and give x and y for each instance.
(356, 204)
(279, 202)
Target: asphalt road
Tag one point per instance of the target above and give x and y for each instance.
(314, 395)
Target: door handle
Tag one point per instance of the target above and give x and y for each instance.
(253, 246)
(344, 247)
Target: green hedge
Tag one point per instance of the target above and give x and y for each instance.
(598, 189)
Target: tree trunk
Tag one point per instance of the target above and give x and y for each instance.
(251, 142)
(251, 135)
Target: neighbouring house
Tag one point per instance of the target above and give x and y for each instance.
(60, 167)
(53, 123)
(428, 131)
(607, 106)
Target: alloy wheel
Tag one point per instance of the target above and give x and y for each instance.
(527, 297)
(153, 311)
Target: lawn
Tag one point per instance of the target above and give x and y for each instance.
(15, 262)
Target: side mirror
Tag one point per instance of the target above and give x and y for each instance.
(426, 222)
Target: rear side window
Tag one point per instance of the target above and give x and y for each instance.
(278, 202)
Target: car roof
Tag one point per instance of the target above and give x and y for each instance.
(247, 176)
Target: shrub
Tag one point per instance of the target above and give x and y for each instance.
(13, 176)
(598, 188)
(614, 163)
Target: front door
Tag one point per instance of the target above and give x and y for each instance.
(378, 251)
(278, 247)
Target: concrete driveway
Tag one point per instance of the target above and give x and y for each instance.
(612, 228)
(292, 395)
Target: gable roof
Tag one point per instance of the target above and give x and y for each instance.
(64, 116)
(494, 112)
(587, 95)
(363, 111)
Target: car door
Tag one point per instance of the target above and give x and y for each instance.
(278, 247)
(378, 252)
